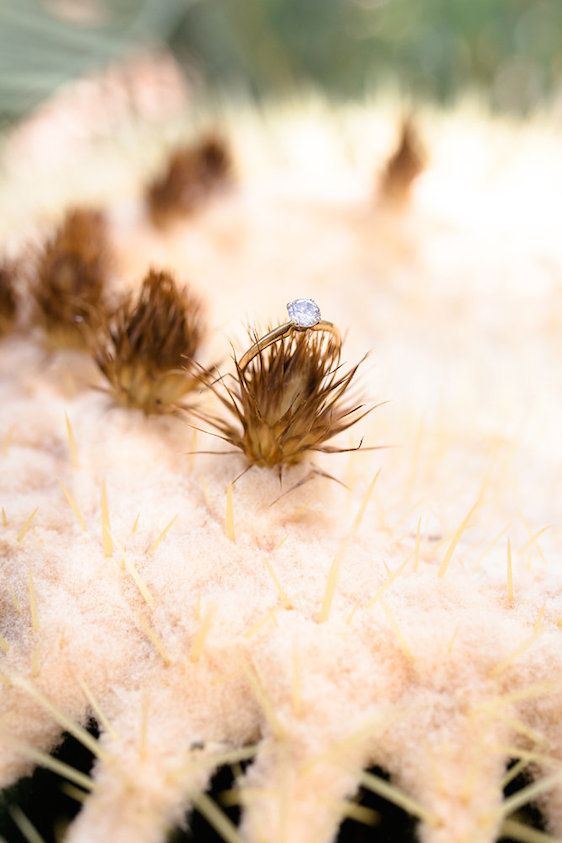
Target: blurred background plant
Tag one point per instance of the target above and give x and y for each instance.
(506, 50)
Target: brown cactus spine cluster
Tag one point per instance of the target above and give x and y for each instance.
(289, 401)
(148, 348)
(8, 301)
(191, 175)
(70, 275)
(405, 164)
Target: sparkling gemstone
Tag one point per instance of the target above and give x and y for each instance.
(305, 313)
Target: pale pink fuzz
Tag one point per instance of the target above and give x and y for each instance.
(421, 659)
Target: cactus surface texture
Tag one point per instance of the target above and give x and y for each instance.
(408, 618)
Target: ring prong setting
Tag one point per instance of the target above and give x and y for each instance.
(304, 313)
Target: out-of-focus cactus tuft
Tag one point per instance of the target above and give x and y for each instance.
(190, 177)
(406, 163)
(148, 346)
(8, 300)
(70, 273)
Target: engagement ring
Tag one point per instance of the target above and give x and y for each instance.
(304, 316)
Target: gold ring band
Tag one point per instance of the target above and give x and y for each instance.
(283, 331)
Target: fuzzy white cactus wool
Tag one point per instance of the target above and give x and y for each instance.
(412, 620)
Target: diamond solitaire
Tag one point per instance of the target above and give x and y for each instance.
(304, 313)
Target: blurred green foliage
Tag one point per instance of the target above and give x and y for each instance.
(511, 50)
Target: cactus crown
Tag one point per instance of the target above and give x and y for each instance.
(8, 303)
(148, 346)
(404, 165)
(69, 280)
(288, 401)
(192, 174)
